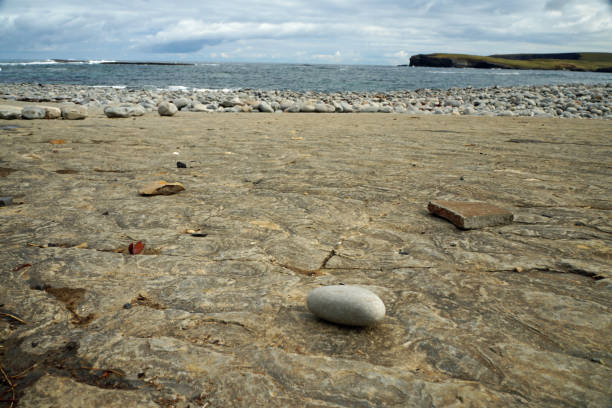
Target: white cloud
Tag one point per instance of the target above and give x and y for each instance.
(330, 58)
(300, 30)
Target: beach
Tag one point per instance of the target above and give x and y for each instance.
(212, 313)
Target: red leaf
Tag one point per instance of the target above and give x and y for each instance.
(25, 265)
(136, 248)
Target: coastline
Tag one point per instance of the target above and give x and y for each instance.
(568, 101)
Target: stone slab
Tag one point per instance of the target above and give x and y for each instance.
(470, 215)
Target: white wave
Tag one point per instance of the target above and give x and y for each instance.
(46, 62)
(99, 61)
(209, 65)
(177, 88)
(110, 86)
(223, 90)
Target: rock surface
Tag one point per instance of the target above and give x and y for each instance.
(513, 316)
(346, 304)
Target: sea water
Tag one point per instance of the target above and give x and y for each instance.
(298, 77)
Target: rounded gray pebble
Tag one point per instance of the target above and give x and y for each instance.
(346, 304)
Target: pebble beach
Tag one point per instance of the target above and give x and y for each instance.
(566, 101)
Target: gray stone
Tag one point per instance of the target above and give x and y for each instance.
(180, 103)
(324, 108)
(167, 109)
(124, 111)
(346, 304)
(33, 112)
(74, 112)
(265, 107)
(4, 201)
(52, 112)
(198, 107)
(307, 107)
(346, 107)
(470, 215)
(10, 112)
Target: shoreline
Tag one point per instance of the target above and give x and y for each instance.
(568, 101)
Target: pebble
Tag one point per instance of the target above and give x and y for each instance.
(346, 304)
(567, 101)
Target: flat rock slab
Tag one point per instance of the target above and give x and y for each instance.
(161, 188)
(470, 215)
(213, 311)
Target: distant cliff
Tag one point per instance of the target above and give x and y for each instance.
(585, 61)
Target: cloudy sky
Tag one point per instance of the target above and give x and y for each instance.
(304, 31)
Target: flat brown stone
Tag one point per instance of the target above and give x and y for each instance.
(470, 215)
(161, 188)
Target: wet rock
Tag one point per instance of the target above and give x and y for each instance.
(161, 188)
(346, 304)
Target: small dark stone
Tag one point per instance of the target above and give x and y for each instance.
(127, 306)
(5, 201)
(34, 344)
(258, 181)
(453, 244)
(181, 165)
(580, 224)
(596, 360)
(461, 178)
(140, 375)
(105, 213)
(547, 215)
(404, 252)
(198, 234)
(72, 345)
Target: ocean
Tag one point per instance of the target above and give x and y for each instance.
(297, 77)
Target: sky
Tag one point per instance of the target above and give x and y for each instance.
(298, 31)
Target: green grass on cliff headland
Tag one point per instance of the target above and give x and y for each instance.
(584, 61)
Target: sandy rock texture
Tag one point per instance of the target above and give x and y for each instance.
(212, 312)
